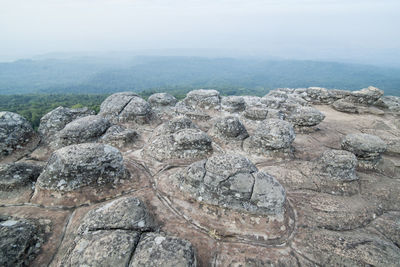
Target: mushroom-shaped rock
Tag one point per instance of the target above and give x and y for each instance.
(174, 125)
(337, 165)
(232, 181)
(318, 95)
(228, 129)
(128, 213)
(203, 99)
(82, 130)
(273, 134)
(162, 100)
(76, 166)
(15, 132)
(367, 96)
(344, 105)
(364, 146)
(272, 102)
(18, 174)
(19, 241)
(126, 107)
(258, 112)
(56, 120)
(305, 116)
(156, 250)
(233, 103)
(103, 248)
(183, 144)
(119, 136)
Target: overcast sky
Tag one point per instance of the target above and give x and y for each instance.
(360, 30)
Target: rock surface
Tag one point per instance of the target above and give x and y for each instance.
(364, 146)
(162, 100)
(338, 165)
(17, 175)
(228, 129)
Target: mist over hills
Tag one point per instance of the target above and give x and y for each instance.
(109, 74)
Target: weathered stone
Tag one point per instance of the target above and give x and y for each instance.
(19, 241)
(76, 166)
(103, 248)
(126, 107)
(306, 116)
(18, 174)
(15, 132)
(232, 181)
(119, 136)
(344, 105)
(367, 96)
(56, 120)
(252, 100)
(174, 125)
(392, 103)
(233, 103)
(203, 99)
(82, 130)
(389, 226)
(337, 165)
(318, 95)
(126, 213)
(364, 146)
(228, 129)
(162, 100)
(183, 144)
(258, 113)
(272, 134)
(159, 250)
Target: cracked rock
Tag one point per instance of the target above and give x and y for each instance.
(76, 166)
(228, 129)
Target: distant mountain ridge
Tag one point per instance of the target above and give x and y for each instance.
(107, 75)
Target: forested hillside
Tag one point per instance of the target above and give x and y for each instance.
(108, 75)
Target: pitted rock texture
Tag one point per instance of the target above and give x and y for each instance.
(119, 136)
(17, 175)
(273, 134)
(126, 107)
(228, 129)
(174, 125)
(203, 99)
(232, 181)
(344, 105)
(257, 113)
(158, 250)
(15, 131)
(162, 100)
(338, 165)
(20, 240)
(82, 130)
(366, 96)
(76, 166)
(364, 146)
(306, 116)
(56, 120)
(233, 103)
(182, 144)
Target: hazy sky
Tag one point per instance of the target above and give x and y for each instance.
(360, 30)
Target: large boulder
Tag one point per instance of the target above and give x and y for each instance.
(174, 125)
(82, 130)
(203, 99)
(338, 165)
(233, 104)
(17, 175)
(344, 105)
(162, 100)
(20, 240)
(273, 134)
(228, 129)
(366, 96)
(232, 181)
(364, 146)
(56, 120)
(257, 113)
(305, 116)
(77, 166)
(119, 136)
(126, 107)
(15, 132)
(156, 250)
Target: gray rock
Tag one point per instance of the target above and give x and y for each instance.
(103, 248)
(76, 166)
(257, 113)
(19, 241)
(389, 226)
(126, 213)
(272, 102)
(272, 134)
(82, 130)
(162, 100)
(174, 125)
(119, 136)
(337, 165)
(232, 181)
(318, 95)
(252, 100)
(56, 120)
(392, 103)
(228, 129)
(233, 104)
(203, 99)
(367, 96)
(364, 146)
(126, 107)
(344, 105)
(306, 116)
(17, 175)
(15, 132)
(183, 144)
(159, 250)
